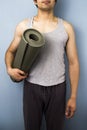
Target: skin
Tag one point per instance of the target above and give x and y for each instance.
(45, 21)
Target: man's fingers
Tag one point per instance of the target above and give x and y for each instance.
(22, 73)
(69, 112)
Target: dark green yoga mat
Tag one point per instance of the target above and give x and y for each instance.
(29, 47)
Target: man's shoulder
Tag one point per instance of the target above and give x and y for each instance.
(68, 26)
(24, 22)
(22, 25)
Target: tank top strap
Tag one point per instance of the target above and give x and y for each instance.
(60, 21)
(30, 22)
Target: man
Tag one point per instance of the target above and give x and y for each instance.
(45, 87)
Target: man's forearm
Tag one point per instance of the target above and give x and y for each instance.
(9, 56)
(74, 78)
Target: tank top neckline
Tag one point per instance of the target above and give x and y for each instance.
(59, 21)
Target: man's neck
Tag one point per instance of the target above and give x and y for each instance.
(45, 16)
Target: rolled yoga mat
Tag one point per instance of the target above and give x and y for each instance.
(29, 47)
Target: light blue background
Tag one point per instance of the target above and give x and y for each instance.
(11, 94)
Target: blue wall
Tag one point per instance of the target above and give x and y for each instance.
(11, 13)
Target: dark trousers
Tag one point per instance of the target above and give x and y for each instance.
(49, 100)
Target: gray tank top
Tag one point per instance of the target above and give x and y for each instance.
(49, 67)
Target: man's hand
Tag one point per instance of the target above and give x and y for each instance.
(17, 74)
(70, 108)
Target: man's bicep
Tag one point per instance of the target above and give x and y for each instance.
(16, 40)
(14, 44)
(71, 49)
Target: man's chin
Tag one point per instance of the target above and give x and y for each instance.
(46, 9)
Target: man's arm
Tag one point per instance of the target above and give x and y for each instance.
(73, 70)
(9, 56)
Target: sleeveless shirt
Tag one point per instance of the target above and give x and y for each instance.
(49, 67)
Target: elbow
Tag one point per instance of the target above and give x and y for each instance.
(74, 64)
(9, 51)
